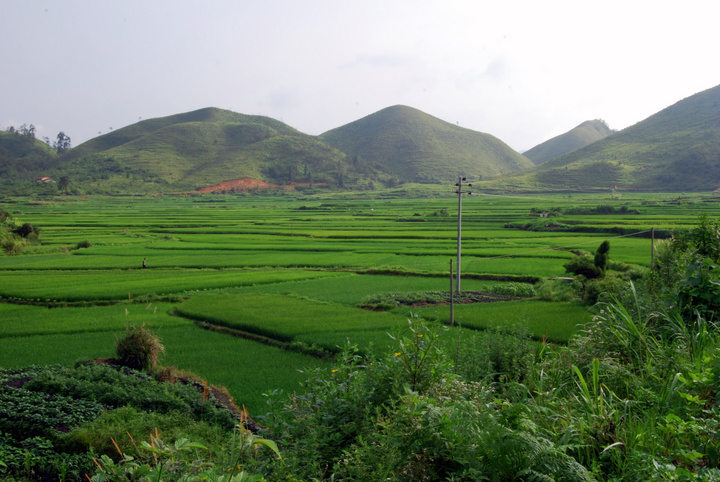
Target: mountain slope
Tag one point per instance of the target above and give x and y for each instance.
(676, 149)
(208, 146)
(581, 136)
(209, 115)
(22, 155)
(415, 146)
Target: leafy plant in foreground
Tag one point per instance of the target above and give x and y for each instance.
(407, 416)
(36, 458)
(115, 387)
(24, 413)
(184, 460)
(493, 354)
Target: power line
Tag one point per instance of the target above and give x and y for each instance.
(562, 247)
(481, 258)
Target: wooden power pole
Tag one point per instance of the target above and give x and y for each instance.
(460, 192)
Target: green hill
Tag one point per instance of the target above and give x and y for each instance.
(145, 128)
(204, 147)
(417, 147)
(581, 136)
(677, 149)
(23, 156)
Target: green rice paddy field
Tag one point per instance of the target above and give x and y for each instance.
(293, 271)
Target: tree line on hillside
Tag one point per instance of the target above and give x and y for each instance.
(61, 144)
(24, 158)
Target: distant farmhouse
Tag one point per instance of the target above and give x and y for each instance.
(44, 179)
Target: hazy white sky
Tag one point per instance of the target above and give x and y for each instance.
(521, 70)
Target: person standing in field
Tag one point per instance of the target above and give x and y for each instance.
(144, 263)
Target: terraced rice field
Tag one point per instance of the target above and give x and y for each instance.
(293, 272)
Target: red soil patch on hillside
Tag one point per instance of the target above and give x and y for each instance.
(247, 183)
(243, 184)
(310, 184)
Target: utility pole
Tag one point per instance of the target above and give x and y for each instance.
(460, 192)
(652, 248)
(452, 299)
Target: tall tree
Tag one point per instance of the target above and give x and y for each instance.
(602, 257)
(64, 183)
(62, 143)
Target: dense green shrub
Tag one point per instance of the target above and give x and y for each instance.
(11, 246)
(669, 265)
(558, 290)
(490, 355)
(27, 230)
(407, 416)
(703, 240)
(584, 266)
(4, 215)
(338, 407)
(603, 289)
(460, 433)
(699, 289)
(685, 272)
(85, 243)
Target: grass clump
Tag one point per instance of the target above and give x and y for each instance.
(139, 349)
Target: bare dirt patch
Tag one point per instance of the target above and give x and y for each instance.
(250, 184)
(244, 184)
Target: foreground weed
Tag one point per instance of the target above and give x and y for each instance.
(184, 460)
(631, 331)
(420, 356)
